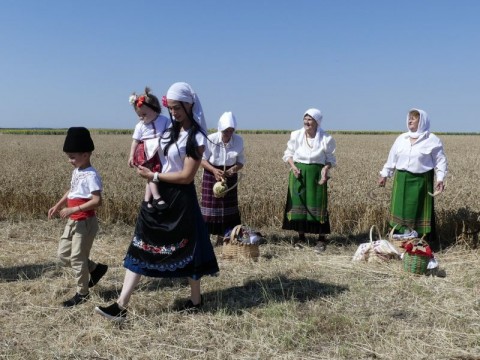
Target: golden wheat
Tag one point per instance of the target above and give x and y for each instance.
(35, 174)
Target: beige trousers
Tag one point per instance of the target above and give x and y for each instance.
(74, 250)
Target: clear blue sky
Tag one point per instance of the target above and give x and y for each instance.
(364, 63)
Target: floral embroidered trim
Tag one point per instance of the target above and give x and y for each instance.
(180, 264)
(164, 250)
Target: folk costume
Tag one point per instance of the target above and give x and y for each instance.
(223, 213)
(82, 226)
(143, 132)
(306, 206)
(174, 243)
(413, 166)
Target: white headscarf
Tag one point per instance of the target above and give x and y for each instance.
(181, 91)
(423, 124)
(227, 120)
(317, 115)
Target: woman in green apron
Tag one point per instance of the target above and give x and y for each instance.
(416, 157)
(310, 154)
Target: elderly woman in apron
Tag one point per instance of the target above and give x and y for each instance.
(416, 157)
(310, 154)
(222, 160)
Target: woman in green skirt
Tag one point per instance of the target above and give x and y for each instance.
(310, 154)
(416, 157)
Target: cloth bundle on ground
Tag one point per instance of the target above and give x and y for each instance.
(244, 234)
(376, 250)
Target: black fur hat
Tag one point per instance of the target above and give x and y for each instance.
(78, 140)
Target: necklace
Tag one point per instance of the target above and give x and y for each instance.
(308, 144)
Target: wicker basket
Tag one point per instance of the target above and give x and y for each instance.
(415, 264)
(399, 244)
(233, 249)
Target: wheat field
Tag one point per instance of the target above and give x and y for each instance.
(35, 174)
(290, 304)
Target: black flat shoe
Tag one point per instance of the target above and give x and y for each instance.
(97, 274)
(77, 299)
(159, 204)
(190, 307)
(112, 312)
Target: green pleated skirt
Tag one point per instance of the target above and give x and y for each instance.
(411, 206)
(306, 206)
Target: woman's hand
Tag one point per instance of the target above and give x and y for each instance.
(144, 172)
(382, 181)
(324, 175)
(296, 172)
(231, 171)
(440, 187)
(219, 174)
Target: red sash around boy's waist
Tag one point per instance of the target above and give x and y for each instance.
(80, 215)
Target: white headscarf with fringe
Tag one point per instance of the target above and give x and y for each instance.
(181, 91)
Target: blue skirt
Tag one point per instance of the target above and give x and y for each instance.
(173, 243)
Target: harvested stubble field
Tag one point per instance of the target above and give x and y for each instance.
(291, 304)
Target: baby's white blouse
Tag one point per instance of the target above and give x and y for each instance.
(218, 154)
(146, 131)
(418, 158)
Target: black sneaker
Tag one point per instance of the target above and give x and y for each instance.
(97, 274)
(190, 307)
(112, 312)
(76, 300)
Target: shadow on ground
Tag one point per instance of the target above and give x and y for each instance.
(26, 272)
(253, 293)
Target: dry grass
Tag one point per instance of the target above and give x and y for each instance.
(291, 304)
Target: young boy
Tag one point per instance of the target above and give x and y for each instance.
(81, 201)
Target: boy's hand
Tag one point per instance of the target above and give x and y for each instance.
(66, 212)
(130, 162)
(52, 212)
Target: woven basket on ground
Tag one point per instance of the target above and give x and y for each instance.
(233, 249)
(415, 264)
(417, 256)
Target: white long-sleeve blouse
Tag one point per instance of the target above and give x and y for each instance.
(219, 154)
(321, 151)
(422, 156)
